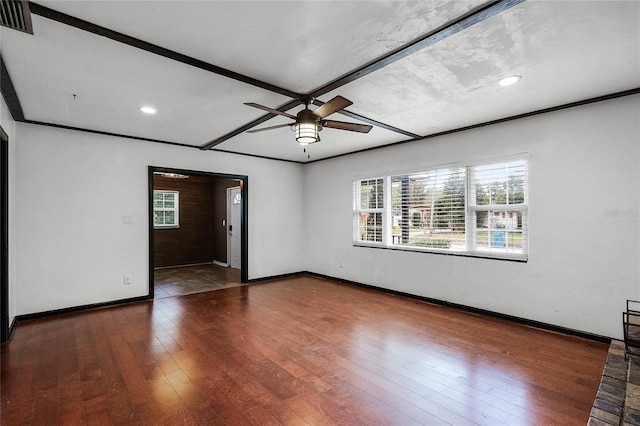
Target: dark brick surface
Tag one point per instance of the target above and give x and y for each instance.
(632, 416)
(604, 416)
(597, 422)
(612, 390)
(608, 407)
(613, 399)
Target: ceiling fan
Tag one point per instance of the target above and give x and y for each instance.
(309, 122)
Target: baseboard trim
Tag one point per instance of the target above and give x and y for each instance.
(216, 262)
(484, 312)
(479, 311)
(277, 277)
(53, 312)
(12, 329)
(185, 265)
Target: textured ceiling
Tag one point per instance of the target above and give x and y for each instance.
(565, 52)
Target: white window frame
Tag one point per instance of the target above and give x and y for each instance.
(358, 210)
(471, 210)
(175, 210)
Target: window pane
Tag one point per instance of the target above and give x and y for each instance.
(500, 231)
(169, 217)
(428, 209)
(158, 217)
(371, 227)
(371, 194)
(500, 184)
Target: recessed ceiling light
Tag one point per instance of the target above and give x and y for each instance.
(508, 81)
(147, 109)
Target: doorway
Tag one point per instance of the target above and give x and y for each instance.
(234, 217)
(189, 233)
(4, 237)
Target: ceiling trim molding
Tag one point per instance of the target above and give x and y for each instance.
(9, 93)
(447, 30)
(489, 123)
(447, 132)
(81, 24)
(264, 157)
(104, 133)
(143, 139)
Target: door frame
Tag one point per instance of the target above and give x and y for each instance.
(244, 220)
(4, 236)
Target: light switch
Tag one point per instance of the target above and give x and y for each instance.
(127, 218)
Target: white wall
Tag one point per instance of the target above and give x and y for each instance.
(583, 262)
(73, 188)
(9, 126)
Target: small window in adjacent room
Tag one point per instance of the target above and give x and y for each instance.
(166, 209)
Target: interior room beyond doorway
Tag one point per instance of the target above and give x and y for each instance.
(192, 234)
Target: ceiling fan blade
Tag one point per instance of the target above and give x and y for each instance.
(341, 125)
(335, 104)
(269, 128)
(271, 110)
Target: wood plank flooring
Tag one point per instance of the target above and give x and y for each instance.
(297, 351)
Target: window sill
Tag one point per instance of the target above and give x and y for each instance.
(166, 226)
(514, 257)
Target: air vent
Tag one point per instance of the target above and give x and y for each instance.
(16, 14)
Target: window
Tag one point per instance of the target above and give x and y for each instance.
(498, 207)
(428, 209)
(478, 210)
(369, 207)
(165, 209)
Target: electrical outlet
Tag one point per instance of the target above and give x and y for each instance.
(127, 279)
(341, 264)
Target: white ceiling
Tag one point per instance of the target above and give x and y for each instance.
(566, 51)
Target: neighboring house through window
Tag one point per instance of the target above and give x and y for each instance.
(166, 209)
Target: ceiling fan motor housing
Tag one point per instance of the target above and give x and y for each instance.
(306, 116)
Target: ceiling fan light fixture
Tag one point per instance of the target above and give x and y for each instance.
(307, 133)
(510, 80)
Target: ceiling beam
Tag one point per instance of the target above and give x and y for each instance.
(370, 121)
(81, 24)
(63, 18)
(249, 126)
(447, 30)
(9, 93)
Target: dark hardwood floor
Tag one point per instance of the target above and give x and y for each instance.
(296, 351)
(181, 280)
